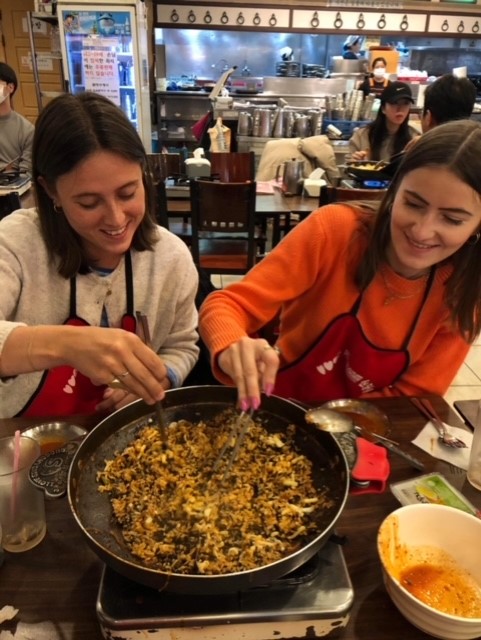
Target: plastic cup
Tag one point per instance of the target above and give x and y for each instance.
(474, 465)
(22, 505)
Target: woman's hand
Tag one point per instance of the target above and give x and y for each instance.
(252, 364)
(115, 399)
(359, 155)
(103, 354)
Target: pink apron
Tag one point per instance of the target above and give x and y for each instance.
(343, 363)
(64, 391)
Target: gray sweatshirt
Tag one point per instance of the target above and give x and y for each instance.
(33, 293)
(16, 136)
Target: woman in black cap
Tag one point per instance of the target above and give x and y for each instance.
(390, 132)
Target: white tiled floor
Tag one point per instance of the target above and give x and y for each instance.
(467, 383)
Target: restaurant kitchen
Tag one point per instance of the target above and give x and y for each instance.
(188, 62)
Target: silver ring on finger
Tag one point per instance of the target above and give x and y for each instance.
(274, 348)
(124, 374)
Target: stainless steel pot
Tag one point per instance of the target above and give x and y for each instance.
(341, 65)
(292, 177)
(92, 511)
(244, 125)
(302, 126)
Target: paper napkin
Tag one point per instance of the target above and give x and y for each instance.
(428, 440)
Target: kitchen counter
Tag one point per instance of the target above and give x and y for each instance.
(54, 585)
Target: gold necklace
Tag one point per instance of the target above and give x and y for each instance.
(394, 295)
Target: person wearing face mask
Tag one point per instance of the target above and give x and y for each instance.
(377, 80)
(16, 132)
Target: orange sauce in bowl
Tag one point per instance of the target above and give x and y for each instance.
(47, 445)
(372, 423)
(444, 587)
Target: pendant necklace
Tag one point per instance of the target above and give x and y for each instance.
(393, 295)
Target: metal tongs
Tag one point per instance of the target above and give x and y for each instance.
(237, 431)
(159, 409)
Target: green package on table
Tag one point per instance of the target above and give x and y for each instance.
(432, 488)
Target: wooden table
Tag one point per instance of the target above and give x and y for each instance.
(54, 586)
(276, 207)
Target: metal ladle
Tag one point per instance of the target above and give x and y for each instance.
(333, 422)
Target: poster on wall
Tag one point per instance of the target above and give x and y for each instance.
(101, 72)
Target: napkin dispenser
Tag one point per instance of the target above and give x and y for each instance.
(314, 182)
(198, 166)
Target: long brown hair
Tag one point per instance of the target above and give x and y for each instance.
(68, 130)
(454, 146)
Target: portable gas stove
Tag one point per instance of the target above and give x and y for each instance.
(310, 602)
(352, 183)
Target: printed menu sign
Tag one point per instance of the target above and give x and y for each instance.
(101, 72)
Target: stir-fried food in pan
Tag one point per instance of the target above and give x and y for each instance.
(178, 515)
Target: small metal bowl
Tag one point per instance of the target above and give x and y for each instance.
(363, 414)
(53, 435)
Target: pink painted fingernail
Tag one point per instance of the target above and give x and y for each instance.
(255, 403)
(244, 405)
(269, 389)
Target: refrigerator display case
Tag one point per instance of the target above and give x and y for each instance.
(104, 49)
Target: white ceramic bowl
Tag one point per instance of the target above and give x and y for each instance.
(457, 534)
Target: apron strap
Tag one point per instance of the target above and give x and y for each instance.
(427, 290)
(73, 298)
(129, 284)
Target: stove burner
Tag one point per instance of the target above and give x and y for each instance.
(312, 601)
(365, 184)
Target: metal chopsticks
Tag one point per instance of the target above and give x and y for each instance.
(159, 410)
(238, 431)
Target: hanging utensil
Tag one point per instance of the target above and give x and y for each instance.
(159, 411)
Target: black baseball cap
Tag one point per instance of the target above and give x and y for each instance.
(396, 91)
(8, 75)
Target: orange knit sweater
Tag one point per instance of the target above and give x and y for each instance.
(309, 279)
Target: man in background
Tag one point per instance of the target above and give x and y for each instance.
(16, 132)
(447, 98)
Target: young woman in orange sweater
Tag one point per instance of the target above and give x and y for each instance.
(369, 305)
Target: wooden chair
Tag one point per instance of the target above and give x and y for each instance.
(238, 166)
(163, 166)
(233, 166)
(223, 226)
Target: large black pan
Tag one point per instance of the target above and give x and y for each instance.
(92, 512)
(357, 170)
